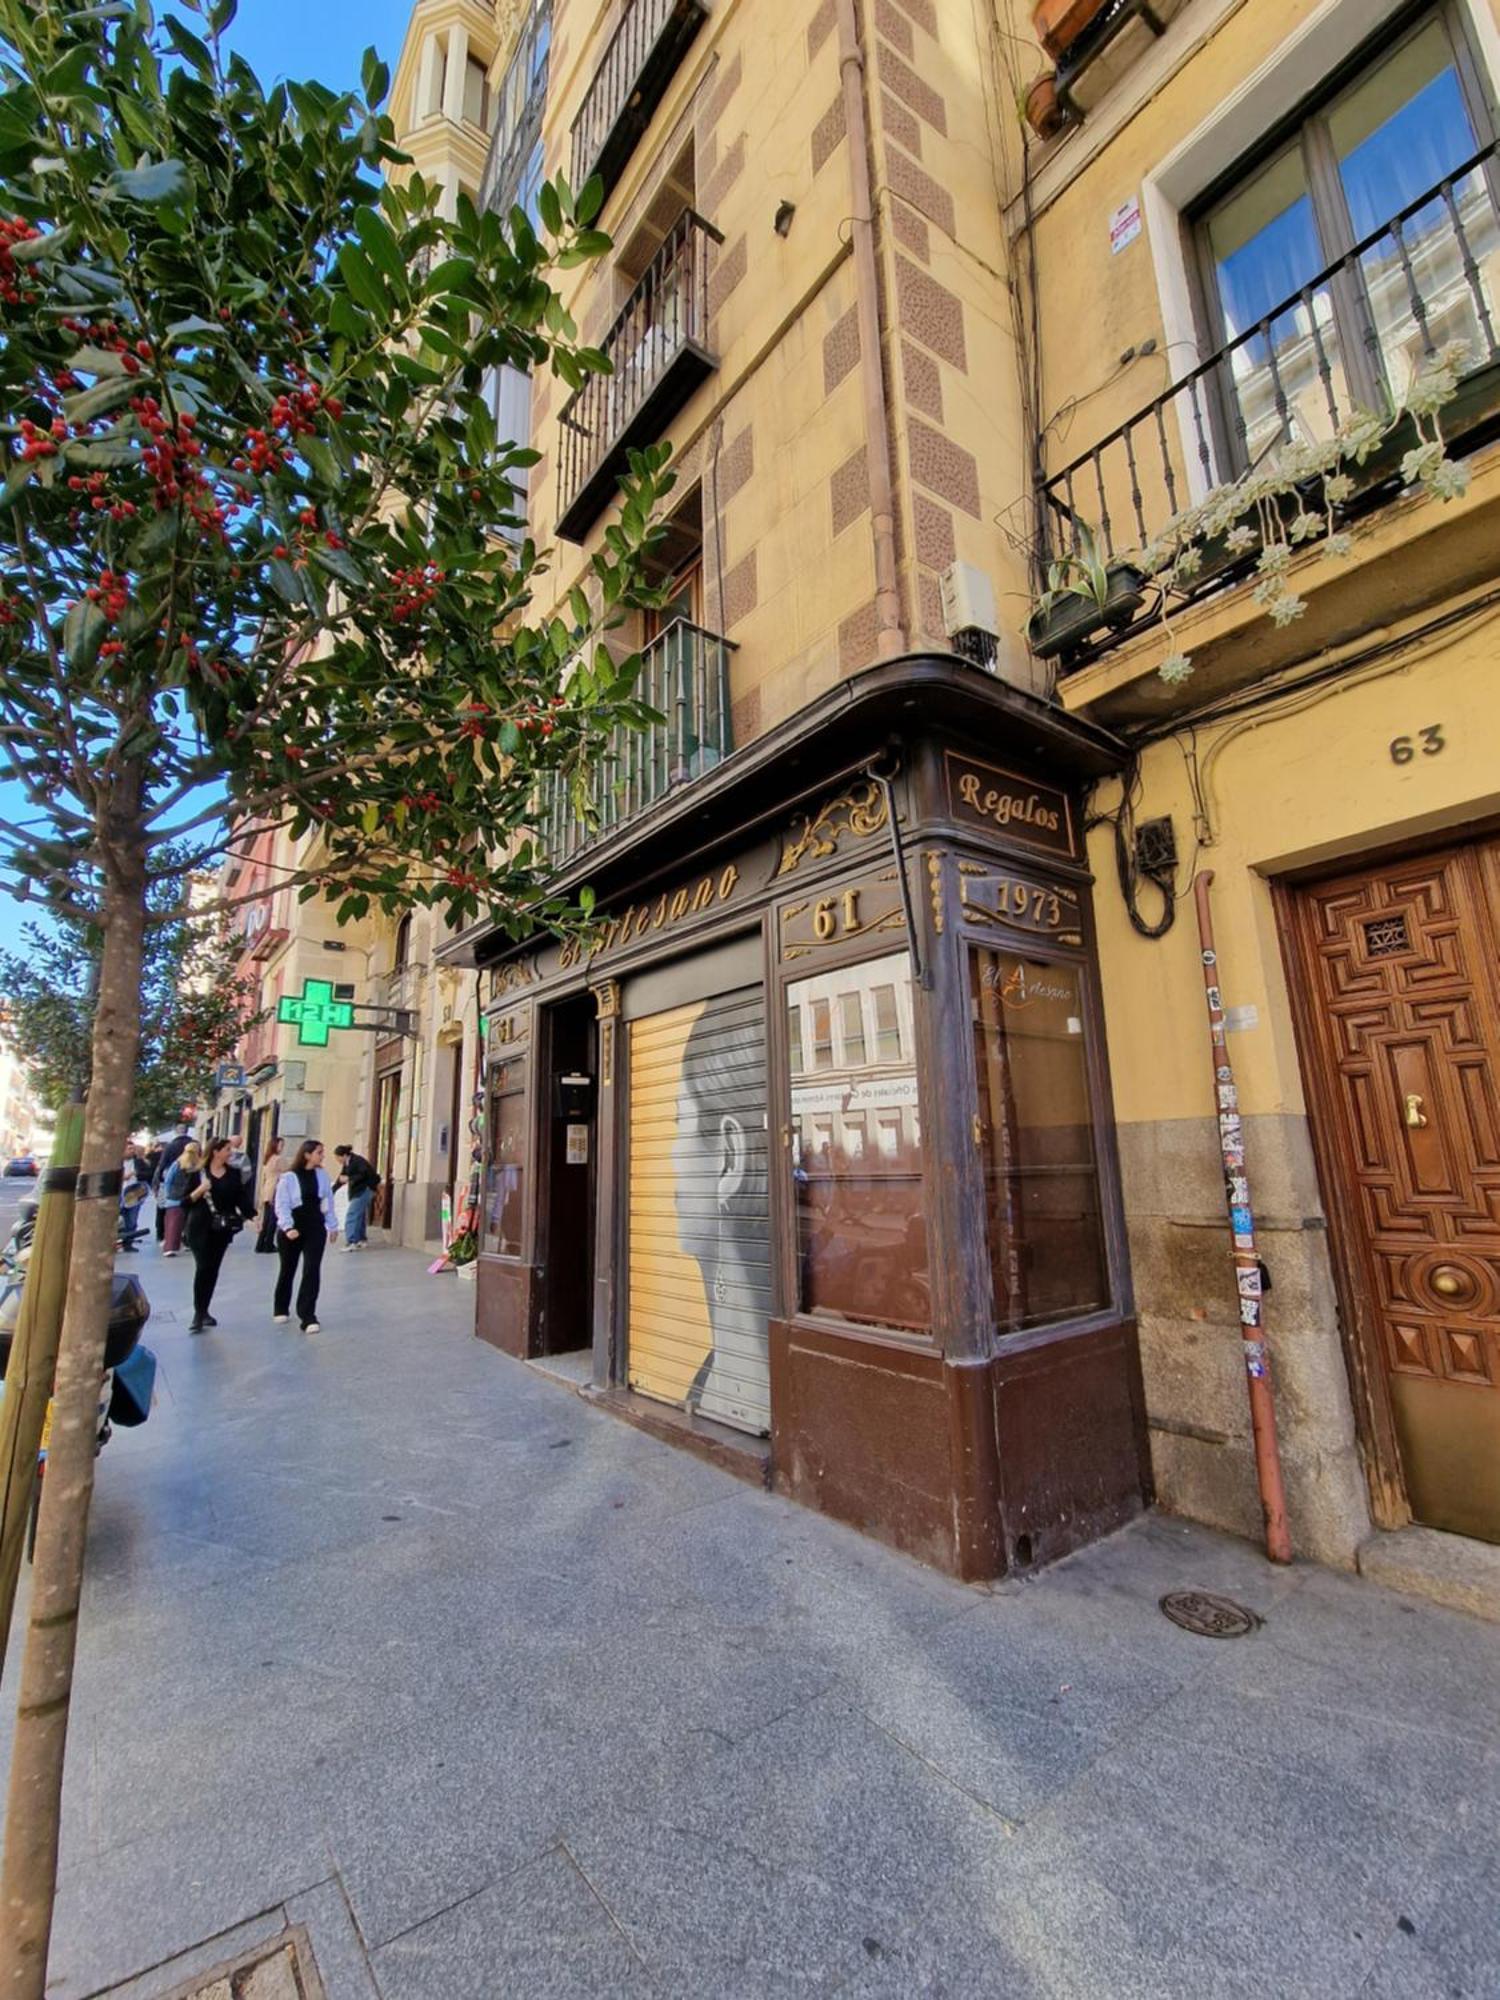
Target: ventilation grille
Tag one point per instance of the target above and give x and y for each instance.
(1386, 936)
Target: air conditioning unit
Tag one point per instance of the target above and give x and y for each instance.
(972, 623)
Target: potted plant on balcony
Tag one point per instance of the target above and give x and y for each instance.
(1042, 108)
(1084, 594)
(1059, 23)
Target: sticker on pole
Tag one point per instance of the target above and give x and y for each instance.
(1255, 1359)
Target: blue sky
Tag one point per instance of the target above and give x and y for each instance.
(322, 39)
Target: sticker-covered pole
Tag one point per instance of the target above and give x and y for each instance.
(1247, 1270)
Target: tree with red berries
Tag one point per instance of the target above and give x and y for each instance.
(259, 565)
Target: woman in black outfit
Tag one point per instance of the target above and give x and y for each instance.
(305, 1222)
(215, 1216)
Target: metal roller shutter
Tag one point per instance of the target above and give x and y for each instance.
(700, 1228)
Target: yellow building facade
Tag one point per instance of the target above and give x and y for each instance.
(941, 382)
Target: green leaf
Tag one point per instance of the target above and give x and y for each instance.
(375, 77)
(550, 209)
(590, 199)
(18, 476)
(83, 633)
(106, 451)
(360, 275)
(375, 234)
(593, 242)
(50, 245)
(166, 180)
(106, 395)
(284, 580)
(339, 563)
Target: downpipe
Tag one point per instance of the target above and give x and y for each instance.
(1248, 1284)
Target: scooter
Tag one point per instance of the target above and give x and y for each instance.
(129, 1378)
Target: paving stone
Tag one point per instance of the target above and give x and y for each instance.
(273, 1978)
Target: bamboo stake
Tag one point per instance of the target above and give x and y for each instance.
(33, 1355)
(1247, 1273)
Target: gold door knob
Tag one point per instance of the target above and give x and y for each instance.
(1449, 1283)
(1415, 1115)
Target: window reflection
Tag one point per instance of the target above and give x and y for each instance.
(1041, 1177)
(505, 1159)
(857, 1169)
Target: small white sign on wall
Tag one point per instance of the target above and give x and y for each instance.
(1125, 225)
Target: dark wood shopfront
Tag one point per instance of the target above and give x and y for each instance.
(835, 1162)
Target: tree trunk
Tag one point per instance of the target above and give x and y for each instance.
(33, 1355)
(34, 1808)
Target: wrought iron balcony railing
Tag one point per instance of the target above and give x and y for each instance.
(633, 74)
(685, 678)
(659, 355)
(1349, 341)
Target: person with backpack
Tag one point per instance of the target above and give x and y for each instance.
(362, 1181)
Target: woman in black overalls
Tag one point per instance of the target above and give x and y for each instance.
(304, 1223)
(214, 1218)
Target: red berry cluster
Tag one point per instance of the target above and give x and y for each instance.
(170, 461)
(111, 593)
(535, 721)
(14, 230)
(418, 587)
(93, 484)
(37, 443)
(474, 719)
(114, 339)
(294, 414)
(10, 611)
(462, 878)
(421, 801)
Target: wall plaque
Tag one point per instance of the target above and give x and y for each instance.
(871, 907)
(1004, 803)
(990, 896)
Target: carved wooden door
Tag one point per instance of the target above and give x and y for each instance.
(1403, 964)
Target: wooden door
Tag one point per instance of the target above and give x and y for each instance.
(1402, 1007)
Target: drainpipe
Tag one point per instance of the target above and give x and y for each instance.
(1247, 1271)
(890, 637)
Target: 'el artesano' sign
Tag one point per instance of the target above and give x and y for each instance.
(1034, 814)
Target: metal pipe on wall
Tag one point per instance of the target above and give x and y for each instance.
(1247, 1266)
(890, 634)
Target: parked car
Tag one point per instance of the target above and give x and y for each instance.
(22, 1167)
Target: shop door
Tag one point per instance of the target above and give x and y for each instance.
(700, 1233)
(1405, 1016)
(387, 1106)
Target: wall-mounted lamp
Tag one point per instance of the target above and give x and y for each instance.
(783, 220)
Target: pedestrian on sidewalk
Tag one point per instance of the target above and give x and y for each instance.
(215, 1216)
(361, 1179)
(307, 1224)
(167, 1157)
(178, 1178)
(272, 1168)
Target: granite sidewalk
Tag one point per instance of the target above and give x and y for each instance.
(392, 1638)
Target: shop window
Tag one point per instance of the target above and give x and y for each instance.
(505, 1160)
(857, 1169)
(1411, 116)
(1036, 1130)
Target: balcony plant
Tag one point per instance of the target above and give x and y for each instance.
(1301, 497)
(1084, 594)
(1059, 23)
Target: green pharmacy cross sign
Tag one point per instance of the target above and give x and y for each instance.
(314, 1012)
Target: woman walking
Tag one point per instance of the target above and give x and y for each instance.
(178, 1178)
(215, 1216)
(272, 1168)
(306, 1222)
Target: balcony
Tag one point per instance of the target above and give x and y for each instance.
(658, 351)
(685, 678)
(1348, 342)
(631, 79)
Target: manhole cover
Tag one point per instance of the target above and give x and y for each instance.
(1209, 1616)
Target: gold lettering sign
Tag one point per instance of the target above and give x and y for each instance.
(1050, 908)
(1022, 809)
(870, 908)
(508, 1030)
(644, 919)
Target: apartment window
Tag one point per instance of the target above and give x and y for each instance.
(513, 172)
(852, 1029)
(476, 94)
(887, 1024)
(822, 1035)
(794, 1039)
(1408, 116)
(507, 390)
